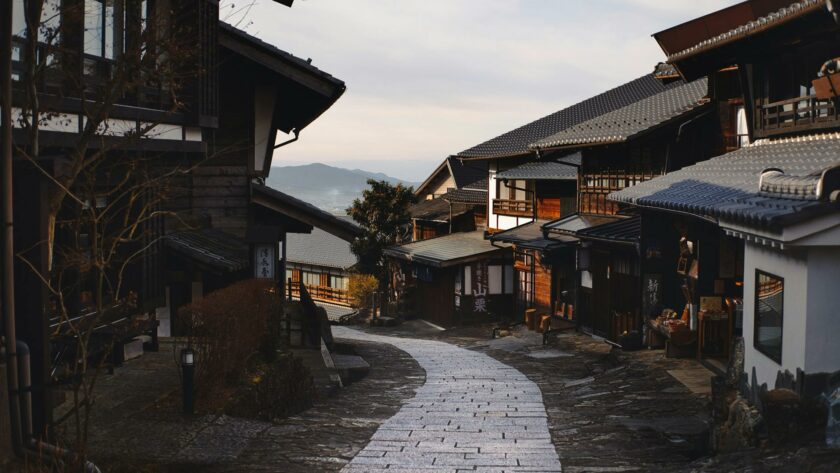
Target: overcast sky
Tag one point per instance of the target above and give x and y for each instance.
(429, 78)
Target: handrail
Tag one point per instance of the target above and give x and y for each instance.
(513, 207)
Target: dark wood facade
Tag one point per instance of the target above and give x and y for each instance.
(220, 135)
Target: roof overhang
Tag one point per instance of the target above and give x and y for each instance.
(434, 175)
(531, 236)
(716, 40)
(304, 91)
(284, 205)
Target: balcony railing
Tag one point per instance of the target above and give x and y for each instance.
(797, 114)
(323, 294)
(515, 208)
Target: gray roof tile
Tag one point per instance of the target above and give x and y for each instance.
(515, 142)
(785, 14)
(447, 250)
(627, 230)
(727, 187)
(437, 210)
(629, 121)
(211, 247)
(541, 170)
(530, 235)
(466, 196)
(320, 248)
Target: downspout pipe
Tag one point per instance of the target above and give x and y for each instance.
(295, 132)
(832, 6)
(7, 293)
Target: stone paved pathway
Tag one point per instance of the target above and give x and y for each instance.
(474, 413)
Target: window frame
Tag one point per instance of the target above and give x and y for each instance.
(759, 347)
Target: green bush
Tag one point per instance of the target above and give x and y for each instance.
(226, 328)
(361, 287)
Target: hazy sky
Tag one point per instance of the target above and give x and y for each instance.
(429, 78)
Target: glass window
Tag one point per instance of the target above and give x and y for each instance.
(338, 282)
(102, 23)
(494, 275)
(508, 279)
(18, 19)
(769, 314)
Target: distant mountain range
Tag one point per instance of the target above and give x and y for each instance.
(327, 187)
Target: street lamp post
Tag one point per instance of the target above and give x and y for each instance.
(188, 379)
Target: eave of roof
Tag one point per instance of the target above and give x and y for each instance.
(466, 196)
(515, 143)
(437, 210)
(212, 248)
(627, 231)
(751, 28)
(304, 212)
(448, 250)
(541, 170)
(320, 248)
(634, 120)
(531, 236)
(443, 166)
(275, 58)
(726, 188)
(571, 224)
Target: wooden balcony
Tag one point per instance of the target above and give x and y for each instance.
(513, 208)
(796, 115)
(327, 294)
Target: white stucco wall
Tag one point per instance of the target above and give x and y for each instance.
(501, 222)
(793, 267)
(822, 352)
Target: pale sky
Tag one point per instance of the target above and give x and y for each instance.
(429, 78)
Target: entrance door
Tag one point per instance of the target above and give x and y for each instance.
(600, 293)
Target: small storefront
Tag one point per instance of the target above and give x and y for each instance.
(692, 286)
(544, 270)
(455, 279)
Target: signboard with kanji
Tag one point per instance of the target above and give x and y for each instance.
(264, 261)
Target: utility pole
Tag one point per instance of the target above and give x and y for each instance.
(7, 289)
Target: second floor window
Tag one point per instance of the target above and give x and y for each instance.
(103, 28)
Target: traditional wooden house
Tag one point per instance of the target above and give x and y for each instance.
(322, 262)
(455, 279)
(528, 188)
(452, 199)
(771, 208)
(229, 137)
(222, 200)
(618, 149)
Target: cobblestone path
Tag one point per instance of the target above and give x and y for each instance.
(474, 413)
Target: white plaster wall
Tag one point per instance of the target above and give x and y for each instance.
(793, 267)
(264, 98)
(822, 352)
(500, 222)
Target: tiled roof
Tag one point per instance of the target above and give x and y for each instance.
(727, 187)
(277, 52)
(468, 175)
(663, 70)
(516, 142)
(629, 121)
(437, 210)
(466, 196)
(320, 248)
(447, 250)
(530, 235)
(304, 212)
(750, 28)
(627, 230)
(571, 224)
(541, 170)
(212, 247)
